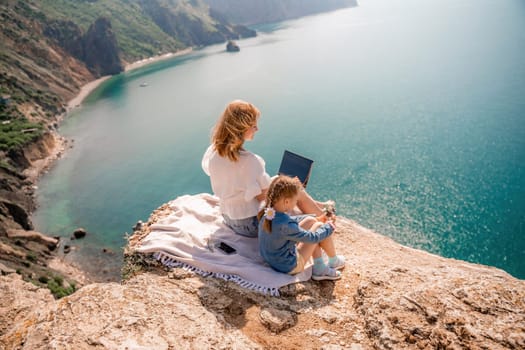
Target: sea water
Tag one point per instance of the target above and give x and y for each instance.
(414, 112)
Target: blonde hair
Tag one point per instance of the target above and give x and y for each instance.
(228, 134)
(281, 187)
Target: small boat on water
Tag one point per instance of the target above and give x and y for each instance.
(143, 84)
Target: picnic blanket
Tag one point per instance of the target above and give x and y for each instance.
(188, 236)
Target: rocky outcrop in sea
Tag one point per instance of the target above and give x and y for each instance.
(232, 46)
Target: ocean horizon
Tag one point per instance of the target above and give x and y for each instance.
(413, 115)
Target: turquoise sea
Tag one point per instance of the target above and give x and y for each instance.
(413, 110)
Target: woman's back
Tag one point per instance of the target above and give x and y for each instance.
(236, 183)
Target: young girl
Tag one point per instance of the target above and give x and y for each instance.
(287, 242)
(238, 177)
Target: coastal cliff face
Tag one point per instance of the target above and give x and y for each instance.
(196, 27)
(390, 297)
(267, 11)
(101, 52)
(30, 254)
(16, 189)
(97, 48)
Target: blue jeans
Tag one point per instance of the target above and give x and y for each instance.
(248, 227)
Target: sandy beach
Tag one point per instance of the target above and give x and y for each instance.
(158, 58)
(84, 92)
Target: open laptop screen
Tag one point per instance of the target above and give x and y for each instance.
(295, 165)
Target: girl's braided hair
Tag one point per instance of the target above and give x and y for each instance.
(228, 134)
(281, 187)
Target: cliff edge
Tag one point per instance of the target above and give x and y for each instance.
(390, 297)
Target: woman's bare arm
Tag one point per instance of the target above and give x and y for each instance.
(262, 196)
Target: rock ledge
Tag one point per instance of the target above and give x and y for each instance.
(390, 297)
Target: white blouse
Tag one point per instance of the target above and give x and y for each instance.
(236, 183)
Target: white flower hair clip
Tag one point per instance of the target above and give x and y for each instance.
(269, 212)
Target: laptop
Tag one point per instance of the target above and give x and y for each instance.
(294, 165)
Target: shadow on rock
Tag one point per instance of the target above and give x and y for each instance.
(238, 307)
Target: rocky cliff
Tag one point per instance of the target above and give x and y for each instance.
(101, 53)
(31, 254)
(267, 11)
(390, 297)
(16, 206)
(97, 48)
(194, 28)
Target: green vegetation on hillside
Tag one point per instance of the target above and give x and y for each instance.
(138, 36)
(17, 133)
(15, 129)
(143, 28)
(21, 92)
(56, 284)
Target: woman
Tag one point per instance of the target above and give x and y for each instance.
(238, 177)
